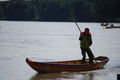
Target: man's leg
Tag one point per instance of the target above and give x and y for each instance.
(84, 55)
(90, 55)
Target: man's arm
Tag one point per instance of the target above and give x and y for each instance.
(90, 42)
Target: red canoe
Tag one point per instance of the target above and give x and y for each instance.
(75, 65)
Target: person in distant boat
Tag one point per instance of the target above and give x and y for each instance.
(104, 23)
(85, 43)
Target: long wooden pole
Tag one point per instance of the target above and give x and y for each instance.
(80, 32)
(78, 27)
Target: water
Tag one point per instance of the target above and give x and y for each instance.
(54, 41)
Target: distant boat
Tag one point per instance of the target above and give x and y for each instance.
(72, 66)
(108, 26)
(116, 27)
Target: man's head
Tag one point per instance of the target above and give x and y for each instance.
(86, 29)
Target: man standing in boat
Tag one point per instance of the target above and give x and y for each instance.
(85, 43)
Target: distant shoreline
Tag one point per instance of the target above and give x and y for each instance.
(55, 21)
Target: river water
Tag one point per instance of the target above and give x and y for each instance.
(54, 41)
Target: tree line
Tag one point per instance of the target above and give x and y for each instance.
(61, 10)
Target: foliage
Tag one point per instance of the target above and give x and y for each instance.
(60, 10)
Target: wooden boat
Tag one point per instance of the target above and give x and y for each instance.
(72, 66)
(106, 27)
(109, 26)
(116, 27)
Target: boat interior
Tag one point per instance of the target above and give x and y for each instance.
(96, 60)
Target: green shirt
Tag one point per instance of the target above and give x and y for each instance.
(85, 40)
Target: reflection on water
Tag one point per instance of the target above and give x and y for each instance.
(53, 76)
(70, 75)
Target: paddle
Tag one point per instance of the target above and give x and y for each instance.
(88, 47)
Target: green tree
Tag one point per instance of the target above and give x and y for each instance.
(84, 10)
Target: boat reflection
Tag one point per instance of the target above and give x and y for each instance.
(69, 75)
(53, 76)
